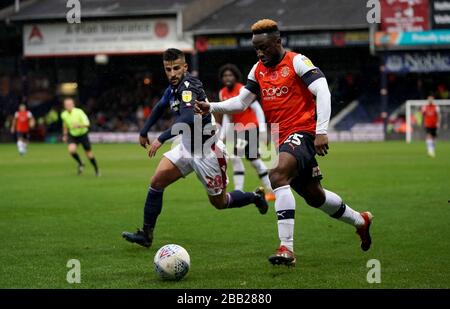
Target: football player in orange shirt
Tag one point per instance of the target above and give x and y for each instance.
(247, 127)
(22, 122)
(291, 89)
(430, 114)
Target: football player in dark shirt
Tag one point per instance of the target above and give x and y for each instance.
(199, 150)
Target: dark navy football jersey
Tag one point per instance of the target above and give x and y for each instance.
(180, 99)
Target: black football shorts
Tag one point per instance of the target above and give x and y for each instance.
(82, 139)
(301, 146)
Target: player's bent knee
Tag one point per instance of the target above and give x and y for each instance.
(219, 205)
(316, 203)
(158, 183)
(72, 148)
(316, 200)
(278, 179)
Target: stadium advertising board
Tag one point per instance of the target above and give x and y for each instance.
(440, 14)
(417, 62)
(336, 39)
(311, 40)
(424, 38)
(324, 39)
(103, 37)
(404, 15)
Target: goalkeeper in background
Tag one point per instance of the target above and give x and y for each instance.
(75, 131)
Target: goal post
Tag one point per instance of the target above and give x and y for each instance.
(414, 119)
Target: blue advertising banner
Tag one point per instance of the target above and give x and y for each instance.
(416, 62)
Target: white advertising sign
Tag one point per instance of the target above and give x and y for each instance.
(131, 36)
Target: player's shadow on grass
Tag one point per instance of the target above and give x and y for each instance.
(280, 271)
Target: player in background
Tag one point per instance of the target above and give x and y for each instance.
(22, 122)
(431, 117)
(287, 83)
(250, 120)
(209, 165)
(75, 131)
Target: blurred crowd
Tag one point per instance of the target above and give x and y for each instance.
(124, 106)
(121, 108)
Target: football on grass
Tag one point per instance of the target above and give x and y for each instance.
(172, 262)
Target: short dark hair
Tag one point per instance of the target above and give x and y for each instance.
(232, 68)
(173, 54)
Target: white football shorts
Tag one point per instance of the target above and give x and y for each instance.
(211, 168)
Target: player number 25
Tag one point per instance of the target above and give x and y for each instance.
(294, 139)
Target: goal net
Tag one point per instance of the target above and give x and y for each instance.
(414, 120)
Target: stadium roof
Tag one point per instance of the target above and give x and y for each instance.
(291, 15)
(56, 9)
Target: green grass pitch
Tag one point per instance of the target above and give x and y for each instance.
(49, 215)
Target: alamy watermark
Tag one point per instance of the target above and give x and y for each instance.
(241, 141)
(374, 273)
(74, 272)
(73, 15)
(374, 14)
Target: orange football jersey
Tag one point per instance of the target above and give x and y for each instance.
(23, 121)
(247, 117)
(285, 98)
(430, 116)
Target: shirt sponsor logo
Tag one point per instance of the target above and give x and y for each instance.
(273, 92)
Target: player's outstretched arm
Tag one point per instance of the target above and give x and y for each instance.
(224, 127)
(186, 116)
(156, 113)
(256, 107)
(233, 105)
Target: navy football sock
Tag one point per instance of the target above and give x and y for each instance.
(94, 164)
(152, 208)
(238, 198)
(76, 157)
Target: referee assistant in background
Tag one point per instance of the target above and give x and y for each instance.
(75, 131)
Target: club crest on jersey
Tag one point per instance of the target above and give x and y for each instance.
(285, 72)
(186, 96)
